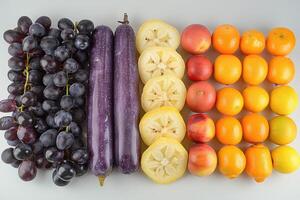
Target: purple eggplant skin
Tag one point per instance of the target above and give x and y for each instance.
(126, 101)
(100, 102)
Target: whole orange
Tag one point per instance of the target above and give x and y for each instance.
(281, 70)
(256, 98)
(229, 130)
(258, 162)
(255, 128)
(229, 101)
(252, 42)
(227, 69)
(281, 41)
(226, 39)
(231, 161)
(255, 69)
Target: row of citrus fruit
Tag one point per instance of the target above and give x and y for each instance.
(226, 39)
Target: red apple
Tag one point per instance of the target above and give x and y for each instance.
(201, 96)
(199, 68)
(202, 160)
(196, 39)
(200, 128)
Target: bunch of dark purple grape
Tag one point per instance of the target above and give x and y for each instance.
(47, 98)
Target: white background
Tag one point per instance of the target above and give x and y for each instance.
(257, 14)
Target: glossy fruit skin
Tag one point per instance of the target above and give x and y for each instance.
(231, 161)
(281, 41)
(27, 170)
(281, 70)
(100, 106)
(283, 130)
(229, 130)
(255, 128)
(255, 69)
(252, 42)
(195, 39)
(229, 101)
(227, 69)
(258, 162)
(286, 159)
(201, 96)
(256, 99)
(126, 98)
(226, 39)
(202, 160)
(283, 100)
(199, 68)
(200, 128)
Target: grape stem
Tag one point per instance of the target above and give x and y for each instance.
(26, 73)
(75, 28)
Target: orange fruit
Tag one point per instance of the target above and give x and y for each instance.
(227, 69)
(281, 41)
(258, 162)
(229, 101)
(255, 128)
(255, 69)
(256, 98)
(231, 161)
(226, 39)
(252, 42)
(229, 130)
(281, 70)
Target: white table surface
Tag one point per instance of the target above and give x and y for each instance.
(257, 14)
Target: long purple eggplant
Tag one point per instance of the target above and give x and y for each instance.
(100, 103)
(126, 100)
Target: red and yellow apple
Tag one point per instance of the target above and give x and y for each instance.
(199, 68)
(195, 39)
(201, 96)
(200, 128)
(202, 160)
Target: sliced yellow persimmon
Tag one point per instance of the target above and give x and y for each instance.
(162, 122)
(159, 61)
(156, 33)
(164, 90)
(164, 161)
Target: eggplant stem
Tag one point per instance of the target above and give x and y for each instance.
(101, 180)
(125, 19)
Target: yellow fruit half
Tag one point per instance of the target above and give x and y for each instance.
(159, 61)
(164, 161)
(285, 159)
(164, 121)
(157, 33)
(164, 90)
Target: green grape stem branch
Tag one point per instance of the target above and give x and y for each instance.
(26, 74)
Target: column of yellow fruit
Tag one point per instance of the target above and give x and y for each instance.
(162, 128)
(283, 99)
